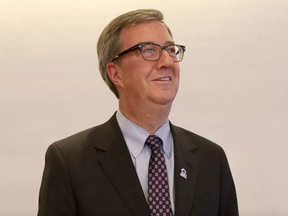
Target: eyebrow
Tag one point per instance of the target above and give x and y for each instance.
(165, 44)
(169, 42)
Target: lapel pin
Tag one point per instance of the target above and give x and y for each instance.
(183, 173)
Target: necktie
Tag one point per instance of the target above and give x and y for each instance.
(158, 187)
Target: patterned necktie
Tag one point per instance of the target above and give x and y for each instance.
(158, 187)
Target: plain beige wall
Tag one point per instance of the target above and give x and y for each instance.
(233, 88)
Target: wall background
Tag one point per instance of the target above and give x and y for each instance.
(233, 88)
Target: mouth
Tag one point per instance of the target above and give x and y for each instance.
(163, 79)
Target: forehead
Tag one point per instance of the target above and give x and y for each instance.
(150, 31)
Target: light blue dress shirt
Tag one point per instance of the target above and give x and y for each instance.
(135, 138)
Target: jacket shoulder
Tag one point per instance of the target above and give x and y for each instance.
(191, 138)
(85, 139)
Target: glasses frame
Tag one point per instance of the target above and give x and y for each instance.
(139, 47)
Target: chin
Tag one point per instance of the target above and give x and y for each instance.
(165, 99)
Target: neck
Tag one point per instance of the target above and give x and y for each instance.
(150, 118)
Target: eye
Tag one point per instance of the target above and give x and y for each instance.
(150, 50)
(171, 49)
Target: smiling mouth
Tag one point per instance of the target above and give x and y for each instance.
(164, 79)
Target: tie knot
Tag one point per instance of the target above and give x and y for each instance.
(154, 142)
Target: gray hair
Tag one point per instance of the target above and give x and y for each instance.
(109, 43)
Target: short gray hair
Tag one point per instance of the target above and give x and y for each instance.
(109, 43)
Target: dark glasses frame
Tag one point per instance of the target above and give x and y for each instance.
(139, 47)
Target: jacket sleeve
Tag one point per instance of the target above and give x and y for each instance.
(228, 198)
(56, 195)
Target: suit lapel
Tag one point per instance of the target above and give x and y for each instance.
(115, 160)
(184, 188)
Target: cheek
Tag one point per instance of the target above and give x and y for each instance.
(140, 73)
(176, 71)
(136, 72)
(135, 79)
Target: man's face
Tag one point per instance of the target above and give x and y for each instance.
(140, 78)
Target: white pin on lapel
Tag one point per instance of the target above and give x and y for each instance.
(183, 173)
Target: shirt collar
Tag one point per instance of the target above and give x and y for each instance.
(135, 136)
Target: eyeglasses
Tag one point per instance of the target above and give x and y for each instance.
(153, 52)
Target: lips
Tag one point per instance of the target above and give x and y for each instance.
(163, 79)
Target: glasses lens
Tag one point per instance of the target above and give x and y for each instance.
(176, 52)
(151, 52)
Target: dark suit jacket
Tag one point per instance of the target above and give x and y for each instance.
(92, 174)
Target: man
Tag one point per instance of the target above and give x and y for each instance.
(138, 163)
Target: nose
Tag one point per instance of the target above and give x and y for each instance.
(165, 60)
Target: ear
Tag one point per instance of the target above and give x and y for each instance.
(114, 74)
